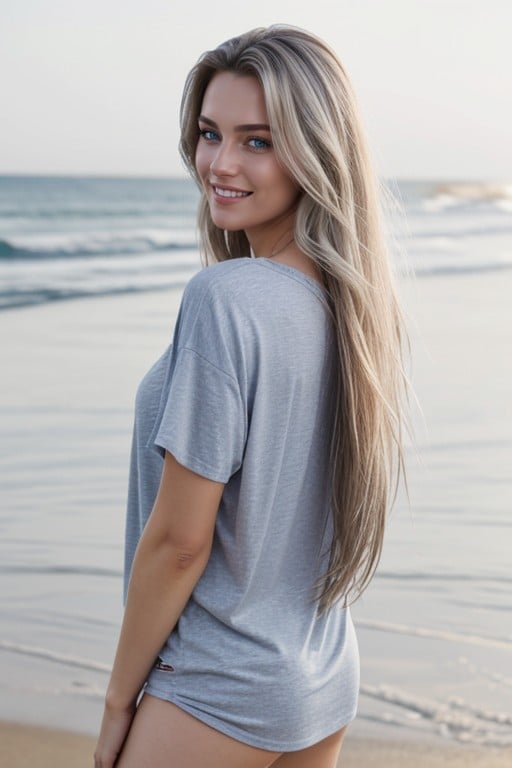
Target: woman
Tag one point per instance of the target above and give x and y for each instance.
(265, 437)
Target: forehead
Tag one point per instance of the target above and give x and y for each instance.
(239, 97)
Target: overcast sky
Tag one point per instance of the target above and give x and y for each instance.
(93, 86)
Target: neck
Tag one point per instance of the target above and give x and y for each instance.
(273, 245)
(282, 248)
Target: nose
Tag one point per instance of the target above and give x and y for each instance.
(225, 160)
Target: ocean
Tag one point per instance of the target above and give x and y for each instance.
(64, 238)
(91, 273)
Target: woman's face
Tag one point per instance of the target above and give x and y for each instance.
(245, 185)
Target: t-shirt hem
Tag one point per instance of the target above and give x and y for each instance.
(244, 736)
(164, 443)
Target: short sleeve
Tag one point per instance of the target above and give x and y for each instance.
(203, 423)
(203, 420)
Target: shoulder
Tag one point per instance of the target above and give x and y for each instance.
(213, 320)
(222, 279)
(215, 302)
(249, 291)
(254, 283)
(229, 290)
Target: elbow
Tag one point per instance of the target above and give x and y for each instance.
(173, 539)
(184, 556)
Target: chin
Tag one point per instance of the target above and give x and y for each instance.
(226, 224)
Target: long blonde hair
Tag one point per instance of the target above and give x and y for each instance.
(317, 136)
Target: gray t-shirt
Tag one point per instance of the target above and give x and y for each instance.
(244, 396)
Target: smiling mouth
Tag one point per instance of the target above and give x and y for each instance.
(229, 192)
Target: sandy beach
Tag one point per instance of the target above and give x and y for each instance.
(26, 746)
(434, 682)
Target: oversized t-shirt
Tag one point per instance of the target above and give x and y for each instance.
(244, 396)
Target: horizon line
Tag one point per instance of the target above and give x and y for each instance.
(185, 177)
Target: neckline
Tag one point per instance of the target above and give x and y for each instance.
(293, 272)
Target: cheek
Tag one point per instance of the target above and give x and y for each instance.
(288, 190)
(281, 182)
(201, 160)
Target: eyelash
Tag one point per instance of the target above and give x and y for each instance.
(208, 135)
(203, 134)
(266, 143)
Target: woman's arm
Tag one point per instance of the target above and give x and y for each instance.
(171, 556)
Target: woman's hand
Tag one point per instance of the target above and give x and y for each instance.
(171, 556)
(114, 730)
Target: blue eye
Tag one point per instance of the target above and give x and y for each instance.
(257, 143)
(208, 135)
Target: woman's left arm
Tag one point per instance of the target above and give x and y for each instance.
(171, 556)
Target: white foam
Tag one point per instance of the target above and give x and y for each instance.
(437, 634)
(454, 719)
(85, 243)
(495, 677)
(439, 203)
(504, 205)
(478, 190)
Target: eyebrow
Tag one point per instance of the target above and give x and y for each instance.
(238, 128)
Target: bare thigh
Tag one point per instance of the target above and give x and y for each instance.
(324, 754)
(164, 736)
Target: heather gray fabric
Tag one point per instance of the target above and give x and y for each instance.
(243, 396)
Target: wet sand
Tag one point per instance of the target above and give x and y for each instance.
(27, 746)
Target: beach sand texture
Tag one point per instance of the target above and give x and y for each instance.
(25, 746)
(434, 645)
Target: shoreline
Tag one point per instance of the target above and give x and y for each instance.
(27, 746)
(439, 673)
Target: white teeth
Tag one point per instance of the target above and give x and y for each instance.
(229, 192)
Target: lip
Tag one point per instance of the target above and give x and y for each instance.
(239, 194)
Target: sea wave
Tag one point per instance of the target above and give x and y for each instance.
(415, 576)
(70, 570)
(481, 195)
(48, 655)
(449, 267)
(503, 643)
(53, 212)
(65, 246)
(450, 235)
(27, 297)
(453, 718)
(20, 290)
(475, 190)
(447, 270)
